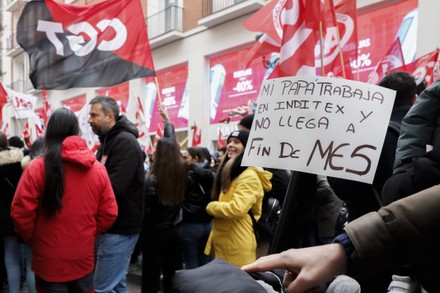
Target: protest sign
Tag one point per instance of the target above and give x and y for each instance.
(320, 125)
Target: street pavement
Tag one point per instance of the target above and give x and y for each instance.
(134, 281)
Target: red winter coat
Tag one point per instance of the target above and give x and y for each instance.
(63, 246)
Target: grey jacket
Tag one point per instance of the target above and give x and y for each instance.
(420, 126)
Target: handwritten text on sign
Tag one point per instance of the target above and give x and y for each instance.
(320, 125)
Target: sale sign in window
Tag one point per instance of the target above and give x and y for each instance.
(233, 86)
(377, 30)
(172, 90)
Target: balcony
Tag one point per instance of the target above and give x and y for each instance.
(14, 5)
(215, 12)
(13, 49)
(165, 26)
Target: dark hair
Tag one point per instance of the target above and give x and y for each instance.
(36, 148)
(196, 152)
(421, 86)
(108, 105)
(171, 172)
(62, 123)
(403, 83)
(3, 140)
(15, 141)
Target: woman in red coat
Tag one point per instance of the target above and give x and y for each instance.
(63, 201)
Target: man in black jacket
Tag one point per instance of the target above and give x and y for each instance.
(122, 156)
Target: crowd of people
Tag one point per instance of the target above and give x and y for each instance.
(72, 220)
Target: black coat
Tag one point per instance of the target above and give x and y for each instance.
(10, 173)
(158, 216)
(360, 197)
(122, 156)
(198, 195)
(424, 173)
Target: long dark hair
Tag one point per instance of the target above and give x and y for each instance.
(171, 172)
(62, 123)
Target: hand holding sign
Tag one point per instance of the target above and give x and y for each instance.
(320, 125)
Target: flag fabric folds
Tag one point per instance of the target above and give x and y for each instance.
(197, 136)
(295, 25)
(423, 68)
(103, 44)
(340, 42)
(3, 101)
(392, 59)
(47, 109)
(221, 143)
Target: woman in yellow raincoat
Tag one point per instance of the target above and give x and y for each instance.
(236, 190)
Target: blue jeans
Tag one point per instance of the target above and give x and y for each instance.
(30, 276)
(113, 252)
(194, 237)
(12, 262)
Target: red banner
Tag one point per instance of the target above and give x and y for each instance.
(233, 87)
(377, 30)
(174, 96)
(119, 93)
(76, 103)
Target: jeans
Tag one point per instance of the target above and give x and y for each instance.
(30, 276)
(81, 285)
(194, 237)
(113, 252)
(12, 262)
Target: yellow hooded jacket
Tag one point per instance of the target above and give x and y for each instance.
(232, 236)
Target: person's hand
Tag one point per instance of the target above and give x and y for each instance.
(306, 268)
(164, 113)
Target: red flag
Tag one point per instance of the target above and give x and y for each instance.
(343, 37)
(298, 43)
(3, 100)
(159, 134)
(77, 44)
(422, 68)
(26, 132)
(264, 45)
(47, 109)
(221, 143)
(197, 136)
(392, 59)
(284, 21)
(267, 20)
(319, 12)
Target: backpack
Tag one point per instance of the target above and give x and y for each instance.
(266, 226)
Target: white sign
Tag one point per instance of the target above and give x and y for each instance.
(320, 125)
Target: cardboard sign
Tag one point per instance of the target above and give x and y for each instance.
(320, 125)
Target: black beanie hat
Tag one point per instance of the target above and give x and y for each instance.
(242, 136)
(15, 141)
(246, 121)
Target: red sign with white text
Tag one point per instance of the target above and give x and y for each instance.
(377, 30)
(233, 85)
(119, 93)
(76, 103)
(174, 96)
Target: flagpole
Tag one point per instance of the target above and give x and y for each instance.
(340, 51)
(322, 49)
(158, 89)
